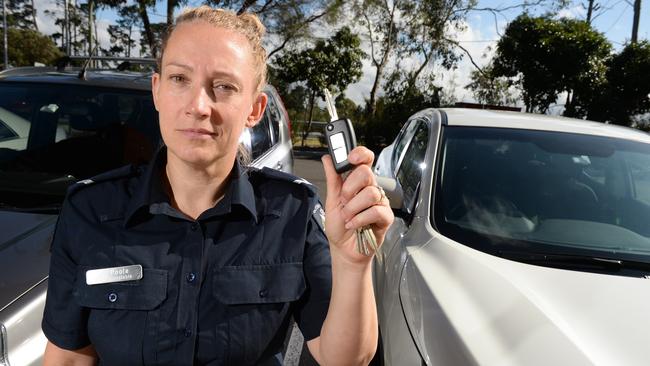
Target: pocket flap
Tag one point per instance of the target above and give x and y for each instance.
(144, 294)
(258, 284)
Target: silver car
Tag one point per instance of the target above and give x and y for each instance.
(519, 239)
(55, 129)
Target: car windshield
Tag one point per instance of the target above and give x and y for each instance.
(545, 191)
(52, 135)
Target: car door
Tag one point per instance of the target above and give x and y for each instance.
(409, 155)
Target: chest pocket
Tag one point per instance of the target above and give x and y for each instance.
(258, 299)
(122, 315)
(259, 284)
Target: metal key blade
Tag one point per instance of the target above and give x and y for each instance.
(331, 107)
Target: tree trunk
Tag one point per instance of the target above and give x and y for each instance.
(311, 115)
(171, 4)
(142, 10)
(34, 16)
(90, 26)
(635, 24)
(590, 10)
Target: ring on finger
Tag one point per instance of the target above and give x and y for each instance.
(382, 194)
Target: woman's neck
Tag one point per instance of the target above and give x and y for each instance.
(194, 189)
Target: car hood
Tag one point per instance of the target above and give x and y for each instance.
(502, 312)
(24, 252)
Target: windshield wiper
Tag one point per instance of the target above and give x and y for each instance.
(574, 261)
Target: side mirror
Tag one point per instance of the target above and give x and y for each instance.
(393, 191)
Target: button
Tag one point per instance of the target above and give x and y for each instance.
(187, 333)
(190, 277)
(194, 226)
(112, 297)
(263, 293)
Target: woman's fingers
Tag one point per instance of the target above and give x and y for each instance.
(379, 216)
(358, 179)
(367, 197)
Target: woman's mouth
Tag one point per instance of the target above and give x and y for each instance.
(197, 133)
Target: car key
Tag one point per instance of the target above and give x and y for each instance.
(340, 137)
(340, 141)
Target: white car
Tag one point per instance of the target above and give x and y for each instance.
(519, 239)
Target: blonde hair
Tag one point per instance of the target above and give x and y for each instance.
(246, 24)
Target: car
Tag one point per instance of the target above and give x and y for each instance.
(61, 126)
(519, 239)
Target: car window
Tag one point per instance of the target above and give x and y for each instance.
(70, 133)
(400, 142)
(261, 140)
(6, 132)
(545, 191)
(409, 174)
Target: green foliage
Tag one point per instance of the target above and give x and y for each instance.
(332, 64)
(490, 89)
(25, 47)
(20, 14)
(627, 89)
(548, 56)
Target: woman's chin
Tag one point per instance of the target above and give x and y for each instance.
(198, 156)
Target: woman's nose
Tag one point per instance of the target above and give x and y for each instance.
(201, 102)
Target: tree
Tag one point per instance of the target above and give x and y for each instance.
(546, 56)
(627, 88)
(331, 64)
(25, 47)
(21, 14)
(288, 22)
(490, 89)
(635, 20)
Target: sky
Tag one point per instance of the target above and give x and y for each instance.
(481, 33)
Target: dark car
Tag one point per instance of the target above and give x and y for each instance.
(58, 127)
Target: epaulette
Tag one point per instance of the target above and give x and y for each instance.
(317, 213)
(123, 172)
(280, 175)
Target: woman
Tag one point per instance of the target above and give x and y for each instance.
(194, 260)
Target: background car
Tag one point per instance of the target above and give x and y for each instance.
(519, 239)
(57, 128)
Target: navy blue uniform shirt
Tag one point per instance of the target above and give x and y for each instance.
(217, 290)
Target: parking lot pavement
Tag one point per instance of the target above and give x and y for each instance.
(307, 165)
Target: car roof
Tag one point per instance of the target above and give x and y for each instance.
(102, 78)
(529, 121)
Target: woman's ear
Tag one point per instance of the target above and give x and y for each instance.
(257, 110)
(155, 84)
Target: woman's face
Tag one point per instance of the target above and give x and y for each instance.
(206, 93)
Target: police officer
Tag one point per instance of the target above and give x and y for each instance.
(195, 259)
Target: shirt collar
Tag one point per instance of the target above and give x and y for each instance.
(150, 189)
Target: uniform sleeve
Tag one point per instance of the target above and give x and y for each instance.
(311, 309)
(64, 321)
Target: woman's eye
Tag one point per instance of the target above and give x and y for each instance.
(177, 78)
(225, 87)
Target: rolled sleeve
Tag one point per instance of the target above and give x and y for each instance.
(311, 309)
(64, 321)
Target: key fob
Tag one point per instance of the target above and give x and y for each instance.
(340, 141)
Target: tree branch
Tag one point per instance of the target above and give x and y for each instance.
(471, 59)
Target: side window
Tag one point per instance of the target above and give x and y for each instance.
(402, 139)
(261, 137)
(409, 174)
(6, 133)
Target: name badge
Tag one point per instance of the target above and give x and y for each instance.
(114, 274)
